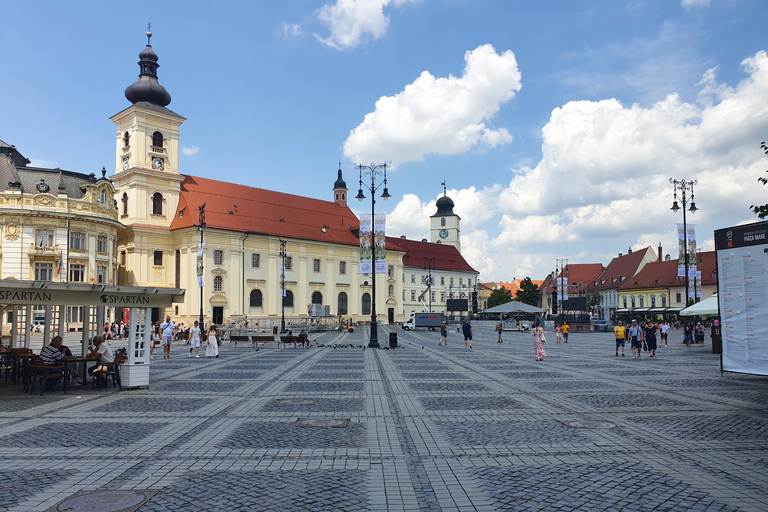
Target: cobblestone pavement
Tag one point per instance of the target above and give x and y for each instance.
(429, 428)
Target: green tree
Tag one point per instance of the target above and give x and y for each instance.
(528, 292)
(761, 210)
(593, 300)
(499, 296)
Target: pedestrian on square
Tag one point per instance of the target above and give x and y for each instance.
(621, 334)
(498, 328)
(168, 328)
(650, 337)
(558, 333)
(688, 333)
(194, 339)
(635, 335)
(467, 329)
(443, 334)
(565, 329)
(538, 342)
(664, 330)
(212, 348)
(699, 333)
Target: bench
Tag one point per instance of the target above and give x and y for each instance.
(254, 340)
(297, 340)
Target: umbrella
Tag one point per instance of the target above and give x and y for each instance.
(703, 308)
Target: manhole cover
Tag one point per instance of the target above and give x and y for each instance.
(591, 424)
(296, 401)
(322, 422)
(104, 501)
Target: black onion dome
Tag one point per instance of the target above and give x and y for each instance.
(148, 88)
(339, 182)
(444, 206)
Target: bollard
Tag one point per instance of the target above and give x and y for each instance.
(393, 340)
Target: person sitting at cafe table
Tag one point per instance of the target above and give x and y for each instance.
(101, 351)
(52, 356)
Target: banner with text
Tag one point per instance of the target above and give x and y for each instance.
(562, 288)
(365, 244)
(379, 226)
(691, 235)
(200, 248)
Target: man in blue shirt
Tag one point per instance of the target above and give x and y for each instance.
(467, 330)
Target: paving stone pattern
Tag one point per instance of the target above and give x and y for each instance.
(432, 428)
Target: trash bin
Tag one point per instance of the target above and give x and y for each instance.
(274, 329)
(393, 340)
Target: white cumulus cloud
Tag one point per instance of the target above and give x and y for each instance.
(440, 115)
(350, 20)
(190, 151)
(291, 29)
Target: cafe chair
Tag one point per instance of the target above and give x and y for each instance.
(110, 370)
(43, 373)
(6, 362)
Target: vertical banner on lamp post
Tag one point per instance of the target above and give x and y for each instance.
(379, 232)
(681, 251)
(691, 249)
(200, 248)
(365, 244)
(562, 290)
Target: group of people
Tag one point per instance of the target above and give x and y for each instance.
(56, 353)
(168, 331)
(641, 337)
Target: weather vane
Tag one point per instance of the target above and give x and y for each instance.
(445, 191)
(149, 32)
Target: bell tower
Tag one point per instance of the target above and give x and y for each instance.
(444, 224)
(340, 190)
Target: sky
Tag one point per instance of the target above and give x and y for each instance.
(556, 125)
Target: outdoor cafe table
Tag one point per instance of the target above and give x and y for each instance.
(84, 360)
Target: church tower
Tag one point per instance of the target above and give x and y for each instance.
(444, 224)
(147, 149)
(340, 190)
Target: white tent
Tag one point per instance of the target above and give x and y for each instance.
(515, 307)
(707, 307)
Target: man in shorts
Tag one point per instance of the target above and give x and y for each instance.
(635, 335)
(443, 334)
(621, 333)
(194, 339)
(565, 329)
(167, 328)
(664, 328)
(467, 329)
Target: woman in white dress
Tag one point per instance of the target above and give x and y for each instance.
(212, 348)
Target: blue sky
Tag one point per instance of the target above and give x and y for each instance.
(556, 124)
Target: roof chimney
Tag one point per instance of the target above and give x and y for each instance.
(660, 258)
(629, 251)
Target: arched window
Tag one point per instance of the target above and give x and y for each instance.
(288, 299)
(157, 139)
(337, 196)
(391, 291)
(256, 298)
(125, 203)
(218, 283)
(343, 196)
(343, 303)
(126, 140)
(157, 204)
(178, 268)
(317, 298)
(366, 303)
(442, 221)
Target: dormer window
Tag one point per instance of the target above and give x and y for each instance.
(103, 197)
(157, 140)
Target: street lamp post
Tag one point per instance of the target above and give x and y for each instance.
(683, 186)
(200, 263)
(282, 286)
(373, 170)
(429, 264)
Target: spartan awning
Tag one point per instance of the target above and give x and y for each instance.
(50, 293)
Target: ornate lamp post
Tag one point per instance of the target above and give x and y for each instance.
(373, 170)
(282, 286)
(683, 186)
(429, 264)
(200, 263)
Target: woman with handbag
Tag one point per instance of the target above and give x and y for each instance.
(538, 342)
(212, 346)
(650, 337)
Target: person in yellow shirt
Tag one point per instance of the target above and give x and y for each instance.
(565, 330)
(621, 334)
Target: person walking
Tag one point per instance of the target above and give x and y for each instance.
(498, 329)
(635, 335)
(194, 339)
(558, 333)
(565, 329)
(621, 334)
(538, 342)
(699, 333)
(688, 333)
(167, 329)
(443, 334)
(663, 329)
(467, 330)
(650, 337)
(212, 348)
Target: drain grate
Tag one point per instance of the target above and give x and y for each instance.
(322, 422)
(296, 401)
(104, 501)
(594, 425)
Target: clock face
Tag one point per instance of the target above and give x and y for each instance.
(158, 163)
(125, 163)
(443, 233)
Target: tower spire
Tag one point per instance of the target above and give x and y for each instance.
(148, 89)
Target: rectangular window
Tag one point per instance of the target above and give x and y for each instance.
(469, 282)
(316, 265)
(678, 297)
(413, 278)
(663, 301)
(653, 301)
(461, 283)
(218, 257)
(625, 302)
(642, 300)
(101, 275)
(43, 271)
(442, 296)
(432, 296)
(391, 271)
(255, 260)
(342, 267)
(122, 257)
(74, 314)
(442, 280)
(289, 263)
(76, 273)
(413, 295)
(77, 241)
(158, 257)
(451, 281)
(633, 303)
(44, 238)
(101, 244)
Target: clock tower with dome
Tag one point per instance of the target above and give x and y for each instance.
(444, 224)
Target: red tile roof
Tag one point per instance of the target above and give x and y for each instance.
(584, 273)
(663, 274)
(447, 257)
(254, 210)
(621, 266)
